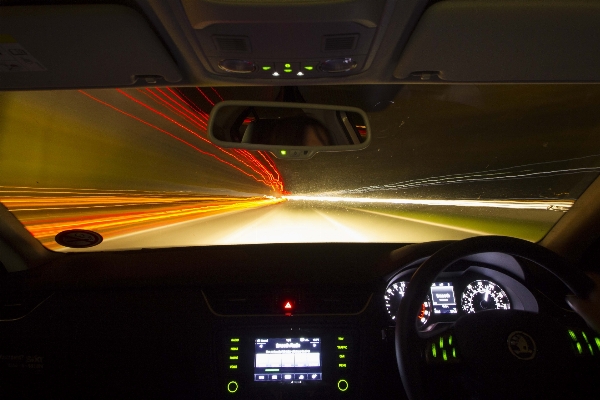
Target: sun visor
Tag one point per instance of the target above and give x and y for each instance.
(506, 41)
(80, 46)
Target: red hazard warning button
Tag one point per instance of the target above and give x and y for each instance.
(288, 305)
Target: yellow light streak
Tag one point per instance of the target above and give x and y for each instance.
(112, 213)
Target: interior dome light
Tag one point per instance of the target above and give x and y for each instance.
(237, 66)
(338, 65)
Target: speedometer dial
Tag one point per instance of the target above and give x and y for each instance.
(394, 294)
(484, 295)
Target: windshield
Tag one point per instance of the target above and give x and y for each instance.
(445, 162)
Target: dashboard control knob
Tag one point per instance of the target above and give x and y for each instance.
(342, 385)
(232, 387)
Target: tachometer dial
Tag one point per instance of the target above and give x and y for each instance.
(394, 294)
(484, 295)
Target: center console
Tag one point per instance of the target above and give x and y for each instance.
(288, 363)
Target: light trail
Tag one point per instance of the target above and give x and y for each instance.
(46, 212)
(265, 181)
(205, 96)
(50, 229)
(526, 171)
(182, 107)
(560, 205)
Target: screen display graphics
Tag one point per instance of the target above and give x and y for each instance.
(442, 296)
(287, 359)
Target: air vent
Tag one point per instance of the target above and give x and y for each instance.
(232, 44)
(340, 42)
(268, 301)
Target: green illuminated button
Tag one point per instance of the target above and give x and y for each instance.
(342, 385)
(233, 366)
(341, 356)
(283, 152)
(266, 67)
(310, 65)
(342, 347)
(288, 67)
(234, 348)
(232, 387)
(343, 339)
(233, 357)
(342, 365)
(234, 340)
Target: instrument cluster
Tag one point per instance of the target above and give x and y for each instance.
(474, 290)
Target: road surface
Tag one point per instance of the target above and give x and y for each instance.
(285, 223)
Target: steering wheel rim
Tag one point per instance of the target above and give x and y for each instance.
(409, 356)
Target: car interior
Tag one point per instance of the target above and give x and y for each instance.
(160, 236)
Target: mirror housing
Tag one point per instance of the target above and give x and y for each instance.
(288, 130)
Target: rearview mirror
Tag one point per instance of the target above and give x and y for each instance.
(288, 130)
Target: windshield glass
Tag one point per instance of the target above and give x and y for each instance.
(445, 162)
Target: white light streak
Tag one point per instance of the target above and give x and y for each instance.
(515, 204)
(527, 171)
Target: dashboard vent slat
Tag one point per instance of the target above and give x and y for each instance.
(340, 42)
(268, 301)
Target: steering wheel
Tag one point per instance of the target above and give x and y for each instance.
(496, 353)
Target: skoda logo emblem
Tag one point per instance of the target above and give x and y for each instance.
(521, 345)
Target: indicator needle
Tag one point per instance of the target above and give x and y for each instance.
(486, 296)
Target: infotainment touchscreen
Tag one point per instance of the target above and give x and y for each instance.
(287, 359)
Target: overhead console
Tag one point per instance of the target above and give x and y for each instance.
(287, 39)
(503, 41)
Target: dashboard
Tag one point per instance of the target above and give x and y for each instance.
(324, 315)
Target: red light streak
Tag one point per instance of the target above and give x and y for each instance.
(190, 103)
(187, 110)
(215, 90)
(206, 97)
(258, 166)
(171, 135)
(277, 186)
(173, 106)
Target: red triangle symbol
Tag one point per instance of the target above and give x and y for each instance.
(287, 305)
